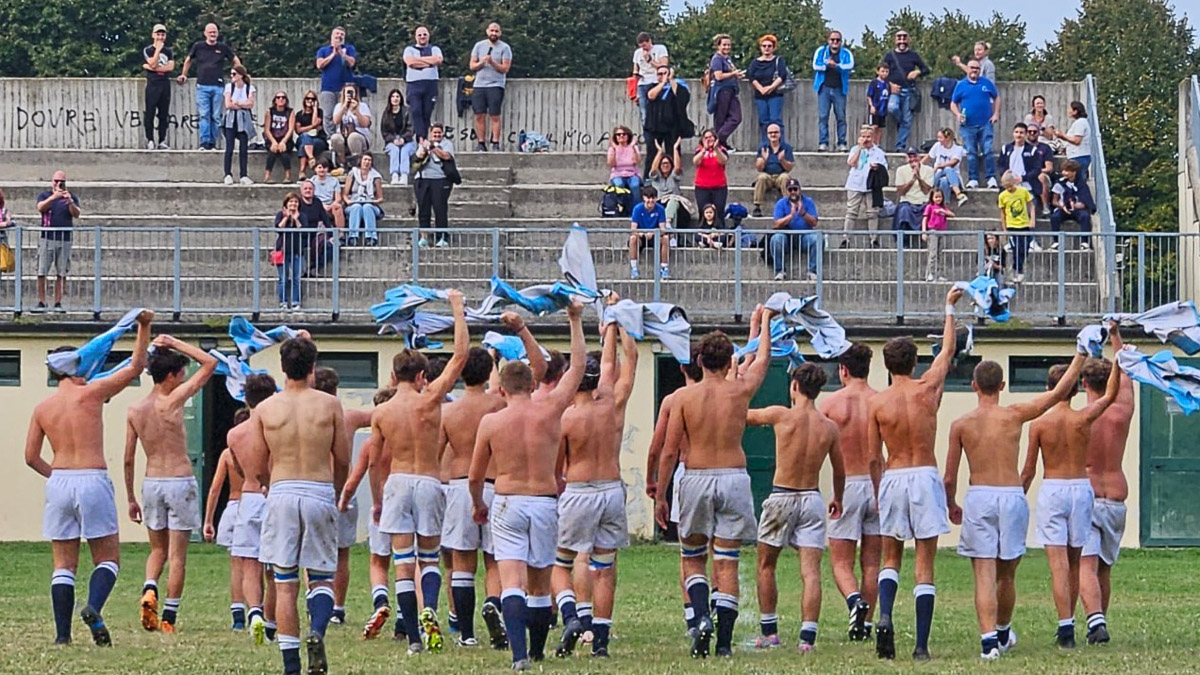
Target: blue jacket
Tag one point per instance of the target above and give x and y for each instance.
(845, 62)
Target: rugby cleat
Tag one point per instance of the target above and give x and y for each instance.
(805, 648)
(704, 633)
(857, 631)
(766, 642)
(431, 632)
(726, 652)
(168, 627)
(150, 610)
(1064, 641)
(523, 664)
(415, 648)
(991, 655)
(600, 652)
(100, 635)
(317, 663)
(921, 654)
(466, 642)
(258, 629)
(570, 636)
(495, 627)
(376, 623)
(885, 640)
(1012, 642)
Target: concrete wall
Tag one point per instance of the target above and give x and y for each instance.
(576, 115)
(22, 516)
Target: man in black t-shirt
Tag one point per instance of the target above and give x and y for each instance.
(158, 61)
(210, 56)
(59, 209)
(905, 67)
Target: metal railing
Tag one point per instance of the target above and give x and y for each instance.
(218, 271)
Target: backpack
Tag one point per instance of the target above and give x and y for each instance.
(710, 92)
(617, 202)
(736, 213)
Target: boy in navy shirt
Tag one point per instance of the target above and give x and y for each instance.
(645, 219)
(877, 100)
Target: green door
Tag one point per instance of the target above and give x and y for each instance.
(759, 442)
(1170, 461)
(194, 429)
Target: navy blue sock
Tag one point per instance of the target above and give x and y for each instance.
(808, 632)
(513, 604)
(406, 601)
(238, 610)
(271, 629)
(538, 619)
(889, 582)
(697, 590)
(289, 648)
(1002, 634)
(600, 628)
(584, 612)
(768, 624)
(924, 600)
(104, 577)
(320, 609)
(566, 606)
(431, 585)
(1066, 630)
(852, 600)
(727, 614)
(150, 585)
(170, 613)
(462, 589)
(379, 597)
(62, 598)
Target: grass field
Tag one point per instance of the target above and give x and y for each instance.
(1156, 604)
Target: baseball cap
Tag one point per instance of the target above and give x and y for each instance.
(159, 28)
(911, 151)
(793, 183)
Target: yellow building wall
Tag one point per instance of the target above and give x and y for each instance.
(22, 516)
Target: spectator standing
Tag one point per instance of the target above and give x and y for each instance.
(291, 242)
(1016, 216)
(491, 59)
(648, 59)
(624, 161)
(795, 212)
(766, 75)
(832, 64)
(329, 191)
(879, 92)
(905, 68)
(422, 60)
(397, 137)
(648, 220)
(987, 69)
(158, 61)
(1078, 138)
(863, 157)
(976, 105)
(352, 125)
(914, 182)
(1072, 201)
(712, 185)
(363, 193)
(1021, 158)
(432, 184)
(59, 209)
(666, 115)
(727, 113)
(1044, 160)
(1045, 121)
(278, 136)
(210, 55)
(933, 225)
(665, 179)
(336, 62)
(945, 156)
(775, 159)
(238, 123)
(309, 128)
(312, 210)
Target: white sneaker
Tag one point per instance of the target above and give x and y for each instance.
(928, 277)
(246, 181)
(442, 243)
(1018, 278)
(812, 276)
(993, 655)
(673, 242)
(1085, 246)
(780, 276)
(423, 242)
(942, 278)
(404, 179)
(1012, 642)
(962, 198)
(1054, 245)
(164, 146)
(1035, 247)
(284, 307)
(150, 145)
(972, 184)
(228, 179)
(992, 183)
(395, 179)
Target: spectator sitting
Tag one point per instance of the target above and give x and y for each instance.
(727, 113)
(766, 74)
(624, 160)
(775, 159)
(310, 133)
(863, 157)
(363, 193)
(945, 156)
(712, 185)
(329, 191)
(397, 137)
(648, 220)
(238, 123)
(290, 243)
(933, 224)
(1072, 201)
(832, 64)
(59, 209)
(1045, 121)
(491, 59)
(713, 233)
(905, 67)
(878, 94)
(1016, 217)
(666, 113)
(318, 218)
(648, 59)
(976, 105)
(277, 134)
(432, 186)
(352, 124)
(914, 181)
(665, 181)
(798, 213)
(987, 69)
(1044, 161)
(1078, 139)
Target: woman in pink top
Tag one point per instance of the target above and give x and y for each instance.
(624, 161)
(933, 224)
(712, 187)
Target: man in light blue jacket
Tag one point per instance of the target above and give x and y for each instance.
(832, 64)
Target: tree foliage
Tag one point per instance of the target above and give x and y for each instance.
(939, 38)
(797, 23)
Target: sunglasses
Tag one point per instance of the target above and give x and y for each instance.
(309, 99)
(835, 39)
(282, 97)
(793, 189)
(619, 134)
(664, 72)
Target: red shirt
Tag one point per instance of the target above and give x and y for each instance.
(709, 173)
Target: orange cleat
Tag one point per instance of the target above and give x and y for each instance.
(150, 610)
(168, 627)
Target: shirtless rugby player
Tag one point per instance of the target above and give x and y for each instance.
(221, 532)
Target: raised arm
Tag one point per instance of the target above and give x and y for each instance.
(764, 417)
(462, 343)
(1031, 456)
(564, 393)
(628, 370)
(941, 365)
(193, 385)
(1125, 396)
(756, 372)
(533, 351)
(608, 358)
(1043, 402)
(131, 440)
(1095, 409)
(107, 387)
(953, 458)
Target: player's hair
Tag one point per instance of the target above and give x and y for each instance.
(259, 387)
(516, 378)
(1095, 374)
(297, 356)
(383, 396)
(478, 367)
(54, 374)
(433, 370)
(326, 379)
(988, 377)
(591, 372)
(692, 369)
(809, 378)
(857, 360)
(716, 350)
(1055, 375)
(163, 363)
(556, 365)
(240, 416)
(900, 355)
(408, 364)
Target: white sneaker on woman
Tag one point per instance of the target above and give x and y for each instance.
(246, 181)
(395, 179)
(228, 179)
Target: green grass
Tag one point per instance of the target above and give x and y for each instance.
(1156, 603)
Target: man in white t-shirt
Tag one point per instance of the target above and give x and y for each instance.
(490, 59)
(421, 62)
(863, 157)
(647, 59)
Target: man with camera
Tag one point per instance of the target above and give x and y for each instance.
(59, 209)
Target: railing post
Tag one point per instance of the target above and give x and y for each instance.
(737, 275)
(19, 292)
(1142, 272)
(336, 291)
(1062, 279)
(820, 264)
(900, 280)
(98, 274)
(416, 255)
(495, 251)
(257, 267)
(177, 291)
(657, 266)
